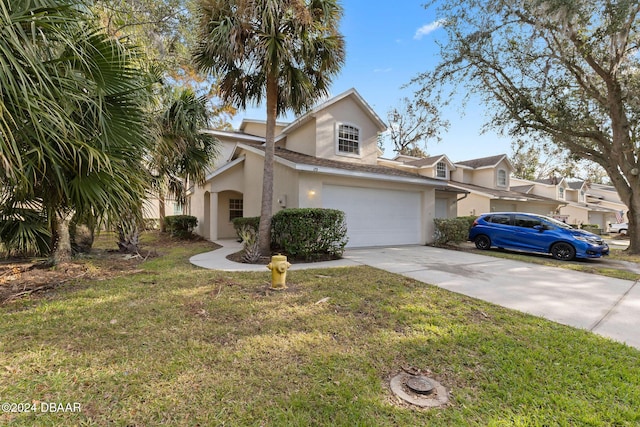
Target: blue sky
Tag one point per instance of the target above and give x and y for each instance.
(388, 43)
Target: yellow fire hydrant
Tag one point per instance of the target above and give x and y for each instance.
(278, 267)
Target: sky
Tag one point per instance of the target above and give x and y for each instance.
(387, 44)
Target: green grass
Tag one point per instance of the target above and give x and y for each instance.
(181, 346)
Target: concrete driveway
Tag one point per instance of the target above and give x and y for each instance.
(606, 306)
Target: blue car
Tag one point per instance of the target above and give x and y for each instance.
(535, 233)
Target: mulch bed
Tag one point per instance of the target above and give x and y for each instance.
(237, 257)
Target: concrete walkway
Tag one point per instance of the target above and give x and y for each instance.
(609, 307)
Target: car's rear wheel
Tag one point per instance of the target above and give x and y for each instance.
(483, 242)
(563, 251)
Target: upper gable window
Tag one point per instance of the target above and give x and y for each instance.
(441, 170)
(581, 196)
(502, 178)
(561, 193)
(348, 140)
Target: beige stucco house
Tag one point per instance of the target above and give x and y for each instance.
(582, 203)
(327, 158)
(490, 186)
(484, 185)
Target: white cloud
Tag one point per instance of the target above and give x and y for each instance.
(383, 70)
(426, 29)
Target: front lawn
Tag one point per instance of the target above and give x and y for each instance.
(171, 344)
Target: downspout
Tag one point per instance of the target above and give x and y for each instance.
(463, 197)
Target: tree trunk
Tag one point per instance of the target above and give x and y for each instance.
(61, 243)
(161, 211)
(633, 215)
(264, 231)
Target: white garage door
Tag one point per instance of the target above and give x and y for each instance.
(376, 217)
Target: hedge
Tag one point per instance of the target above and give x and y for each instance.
(452, 230)
(180, 225)
(309, 233)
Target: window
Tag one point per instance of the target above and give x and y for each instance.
(502, 178)
(441, 170)
(177, 208)
(561, 193)
(235, 209)
(581, 196)
(348, 139)
(527, 221)
(500, 219)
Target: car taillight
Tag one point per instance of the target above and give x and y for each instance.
(475, 222)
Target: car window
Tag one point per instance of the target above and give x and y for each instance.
(500, 219)
(559, 224)
(527, 221)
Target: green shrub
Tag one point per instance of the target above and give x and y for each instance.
(309, 233)
(23, 232)
(180, 226)
(593, 228)
(241, 224)
(452, 230)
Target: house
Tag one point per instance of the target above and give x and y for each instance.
(437, 167)
(607, 197)
(484, 185)
(327, 158)
(487, 181)
(580, 204)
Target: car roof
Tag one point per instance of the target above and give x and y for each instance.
(511, 213)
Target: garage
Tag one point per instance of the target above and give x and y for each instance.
(376, 217)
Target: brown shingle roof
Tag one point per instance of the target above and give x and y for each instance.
(425, 161)
(482, 162)
(554, 180)
(505, 194)
(304, 159)
(576, 185)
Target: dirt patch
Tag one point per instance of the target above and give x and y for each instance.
(24, 277)
(33, 277)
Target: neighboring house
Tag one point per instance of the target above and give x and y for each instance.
(579, 206)
(484, 185)
(151, 208)
(489, 183)
(326, 158)
(436, 167)
(607, 197)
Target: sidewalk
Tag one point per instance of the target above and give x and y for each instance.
(217, 260)
(606, 306)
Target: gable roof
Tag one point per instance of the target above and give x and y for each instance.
(246, 121)
(522, 188)
(304, 162)
(430, 161)
(554, 180)
(405, 158)
(505, 194)
(484, 162)
(577, 185)
(349, 93)
(234, 135)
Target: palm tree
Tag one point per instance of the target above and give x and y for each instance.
(183, 151)
(281, 51)
(73, 127)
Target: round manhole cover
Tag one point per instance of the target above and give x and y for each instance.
(420, 385)
(419, 390)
